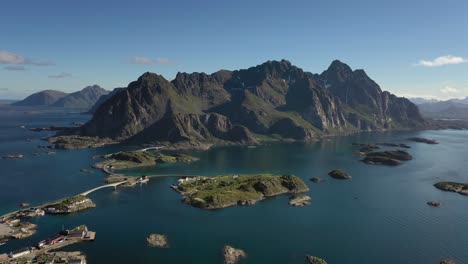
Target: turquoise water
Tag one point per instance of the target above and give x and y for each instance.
(380, 216)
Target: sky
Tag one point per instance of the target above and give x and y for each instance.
(411, 48)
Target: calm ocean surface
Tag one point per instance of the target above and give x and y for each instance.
(379, 216)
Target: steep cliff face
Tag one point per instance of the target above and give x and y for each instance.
(274, 98)
(368, 107)
(104, 98)
(144, 102)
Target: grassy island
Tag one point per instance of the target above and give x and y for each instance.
(390, 158)
(139, 158)
(78, 142)
(70, 205)
(229, 190)
(461, 188)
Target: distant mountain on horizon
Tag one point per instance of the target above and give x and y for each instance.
(422, 100)
(42, 98)
(85, 98)
(275, 99)
(449, 109)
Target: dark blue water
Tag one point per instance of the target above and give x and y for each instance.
(380, 216)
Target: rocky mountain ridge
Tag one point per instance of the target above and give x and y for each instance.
(273, 100)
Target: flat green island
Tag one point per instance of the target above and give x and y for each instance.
(461, 188)
(229, 190)
(140, 158)
(78, 142)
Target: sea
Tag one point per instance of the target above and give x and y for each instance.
(379, 216)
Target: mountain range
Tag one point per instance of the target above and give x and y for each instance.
(273, 100)
(449, 109)
(85, 98)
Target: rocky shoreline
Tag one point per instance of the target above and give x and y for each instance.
(340, 175)
(391, 158)
(157, 240)
(461, 188)
(233, 255)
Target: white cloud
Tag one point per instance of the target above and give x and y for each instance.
(60, 75)
(148, 61)
(443, 60)
(449, 90)
(15, 68)
(12, 58)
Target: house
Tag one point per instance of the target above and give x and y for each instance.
(56, 240)
(76, 234)
(41, 243)
(19, 253)
(90, 235)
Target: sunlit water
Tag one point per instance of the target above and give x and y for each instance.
(379, 216)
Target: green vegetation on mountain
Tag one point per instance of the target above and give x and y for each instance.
(42, 98)
(272, 100)
(85, 98)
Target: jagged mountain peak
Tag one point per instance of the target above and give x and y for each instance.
(337, 72)
(273, 98)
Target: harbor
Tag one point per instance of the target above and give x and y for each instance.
(34, 253)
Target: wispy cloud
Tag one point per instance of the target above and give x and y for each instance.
(441, 61)
(61, 75)
(449, 90)
(15, 68)
(12, 58)
(149, 61)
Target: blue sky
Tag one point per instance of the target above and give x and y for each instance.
(67, 45)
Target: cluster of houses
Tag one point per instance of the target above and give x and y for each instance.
(187, 179)
(65, 235)
(23, 214)
(65, 208)
(18, 229)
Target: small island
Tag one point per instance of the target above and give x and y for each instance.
(157, 240)
(78, 142)
(299, 200)
(315, 260)
(233, 255)
(461, 188)
(70, 205)
(339, 174)
(230, 190)
(317, 179)
(423, 140)
(15, 156)
(390, 158)
(140, 158)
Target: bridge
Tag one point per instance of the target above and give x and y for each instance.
(115, 184)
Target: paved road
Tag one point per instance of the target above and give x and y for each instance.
(103, 186)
